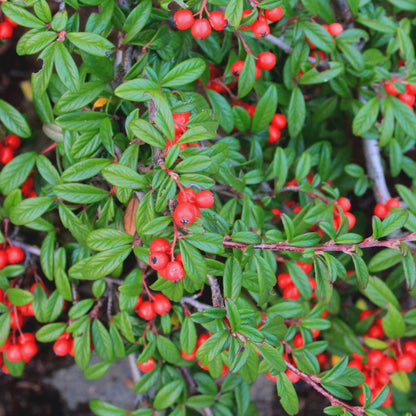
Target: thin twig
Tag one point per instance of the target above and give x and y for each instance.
(26, 247)
(197, 305)
(217, 299)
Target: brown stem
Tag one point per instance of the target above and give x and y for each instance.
(329, 246)
(357, 411)
(217, 299)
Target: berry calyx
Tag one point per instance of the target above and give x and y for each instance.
(201, 29)
(184, 19)
(184, 214)
(158, 261)
(236, 69)
(147, 366)
(217, 20)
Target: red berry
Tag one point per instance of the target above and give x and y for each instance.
(381, 211)
(409, 347)
(13, 141)
(375, 331)
(159, 245)
(236, 69)
(188, 357)
(411, 89)
(15, 254)
(318, 55)
(3, 259)
(306, 267)
(392, 203)
(271, 377)
(293, 377)
(6, 30)
(274, 14)
(344, 203)
(16, 320)
(26, 337)
(335, 29)
(146, 311)
(14, 353)
(27, 310)
(147, 366)
(173, 271)
(161, 304)
(356, 364)
(224, 370)
(184, 19)
(13, 24)
(351, 219)
(138, 303)
(279, 120)
(365, 314)
(201, 29)
(6, 154)
(260, 29)
(375, 358)
(258, 72)
(274, 134)
(246, 13)
(408, 99)
(217, 20)
(27, 186)
(28, 350)
(291, 292)
(201, 339)
(284, 280)
(180, 120)
(158, 261)
(266, 60)
(406, 363)
(298, 341)
(5, 346)
(187, 195)
(388, 365)
(205, 199)
(184, 214)
(391, 89)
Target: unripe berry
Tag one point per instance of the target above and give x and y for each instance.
(236, 69)
(184, 19)
(201, 29)
(205, 199)
(335, 29)
(147, 366)
(159, 245)
(184, 214)
(187, 195)
(260, 29)
(217, 20)
(161, 304)
(158, 261)
(14, 254)
(275, 14)
(279, 120)
(13, 141)
(146, 311)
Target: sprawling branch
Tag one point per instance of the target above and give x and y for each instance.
(217, 299)
(357, 411)
(329, 246)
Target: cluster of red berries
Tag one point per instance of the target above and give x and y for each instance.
(260, 27)
(8, 147)
(180, 121)
(216, 78)
(277, 124)
(6, 28)
(200, 28)
(189, 204)
(157, 304)
(11, 255)
(285, 282)
(382, 210)
(64, 345)
(408, 96)
(161, 259)
(345, 205)
(22, 347)
(265, 60)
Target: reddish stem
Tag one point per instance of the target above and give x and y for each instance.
(175, 237)
(245, 46)
(146, 288)
(51, 147)
(329, 246)
(204, 7)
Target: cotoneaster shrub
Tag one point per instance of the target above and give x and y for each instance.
(228, 191)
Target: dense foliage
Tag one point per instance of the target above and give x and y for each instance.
(228, 190)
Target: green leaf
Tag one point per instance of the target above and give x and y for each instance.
(408, 5)
(194, 164)
(168, 350)
(408, 196)
(184, 73)
(168, 394)
(247, 77)
(107, 239)
(265, 109)
(379, 293)
(21, 16)
(314, 77)
(99, 265)
(47, 170)
(273, 356)
(193, 263)
(50, 332)
(361, 271)
(84, 169)
(405, 117)
(102, 342)
(409, 267)
(137, 19)
(4, 327)
(300, 279)
(101, 408)
(123, 176)
(318, 36)
(82, 348)
(222, 109)
(79, 193)
(188, 335)
(16, 172)
(365, 119)
(287, 394)
(233, 278)
(138, 90)
(296, 112)
(91, 43)
(30, 209)
(34, 41)
(146, 132)
(393, 323)
(234, 12)
(62, 284)
(65, 67)
(12, 119)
